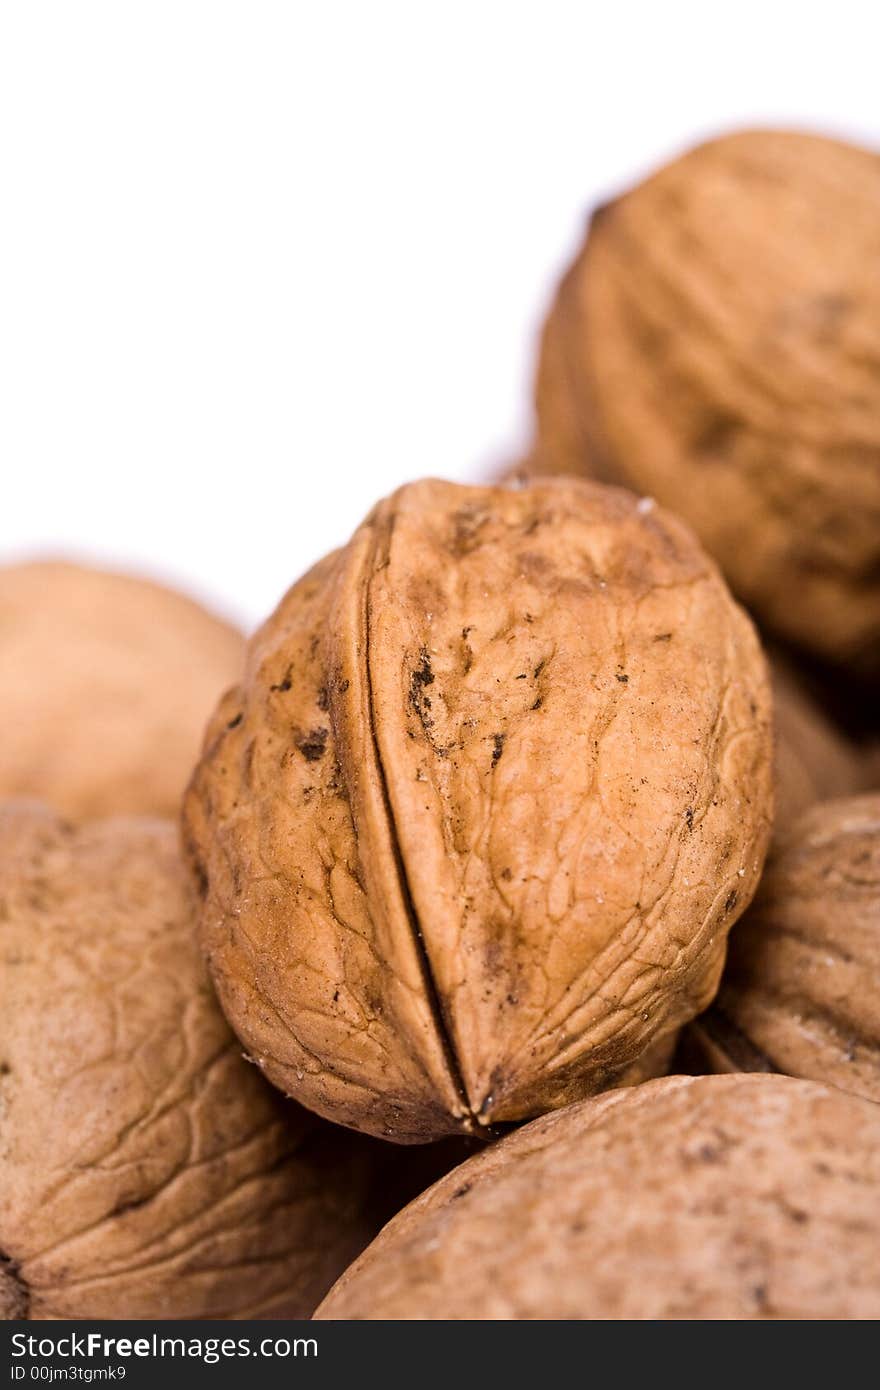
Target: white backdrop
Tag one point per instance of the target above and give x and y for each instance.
(260, 262)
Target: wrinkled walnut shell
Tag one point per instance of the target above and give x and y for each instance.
(693, 1197)
(106, 684)
(473, 829)
(716, 344)
(801, 991)
(146, 1171)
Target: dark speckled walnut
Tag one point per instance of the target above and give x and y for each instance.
(146, 1171)
(751, 1197)
(472, 830)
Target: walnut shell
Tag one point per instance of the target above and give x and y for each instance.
(146, 1171)
(694, 1197)
(814, 761)
(716, 344)
(107, 684)
(801, 992)
(474, 827)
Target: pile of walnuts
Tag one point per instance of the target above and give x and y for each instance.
(457, 855)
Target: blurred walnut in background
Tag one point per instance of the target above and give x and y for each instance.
(716, 344)
(106, 683)
(801, 989)
(813, 759)
(146, 1170)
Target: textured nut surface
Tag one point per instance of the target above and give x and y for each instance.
(106, 684)
(691, 1197)
(146, 1171)
(801, 991)
(473, 829)
(813, 760)
(716, 344)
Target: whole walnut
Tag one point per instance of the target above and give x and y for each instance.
(106, 684)
(146, 1170)
(472, 830)
(813, 760)
(751, 1197)
(801, 992)
(716, 344)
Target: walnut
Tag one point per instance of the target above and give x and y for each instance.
(473, 828)
(106, 683)
(146, 1171)
(693, 1197)
(800, 992)
(716, 344)
(813, 760)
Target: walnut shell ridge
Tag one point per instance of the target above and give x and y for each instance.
(106, 684)
(716, 344)
(472, 830)
(146, 1170)
(751, 1197)
(801, 990)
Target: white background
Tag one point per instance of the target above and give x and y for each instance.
(260, 262)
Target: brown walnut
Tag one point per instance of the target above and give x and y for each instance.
(716, 344)
(801, 991)
(473, 828)
(813, 760)
(693, 1197)
(146, 1171)
(106, 683)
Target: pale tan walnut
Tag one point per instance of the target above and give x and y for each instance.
(473, 829)
(146, 1170)
(801, 992)
(106, 684)
(748, 1197)
(716, 344)
(813, 760)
